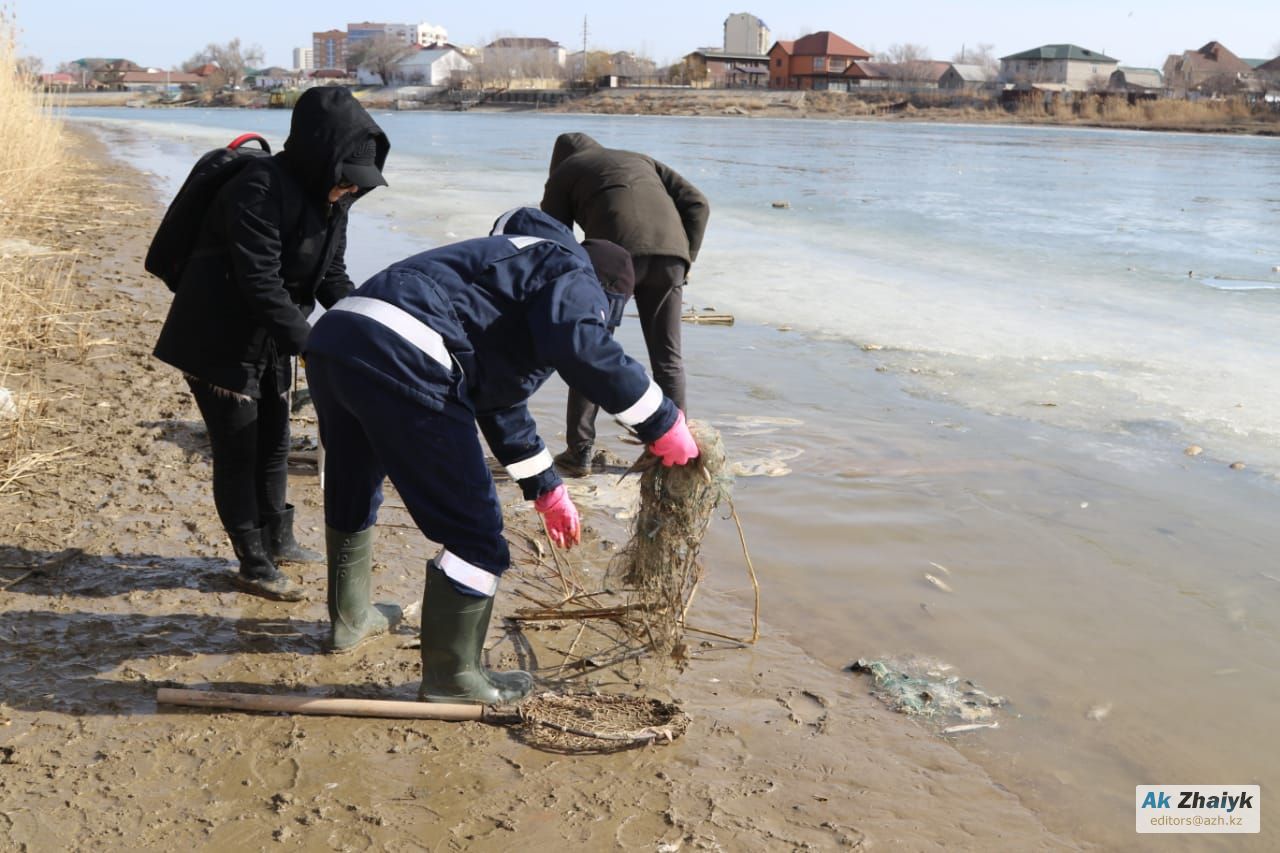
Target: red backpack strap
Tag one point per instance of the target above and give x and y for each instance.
(249, 137)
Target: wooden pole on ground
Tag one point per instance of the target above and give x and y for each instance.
(324, 707)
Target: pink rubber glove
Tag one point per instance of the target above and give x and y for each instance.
(561, 517)
(676, 446)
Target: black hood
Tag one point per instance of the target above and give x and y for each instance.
(568, 144)
(328, 125)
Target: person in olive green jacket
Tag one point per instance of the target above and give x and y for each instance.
(659, 218)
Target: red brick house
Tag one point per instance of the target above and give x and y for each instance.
(817, 61)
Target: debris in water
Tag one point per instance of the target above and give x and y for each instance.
(1236, 466)
(919, 686)
(782, 205)
(1193, 450)
(938, 582)
(969, 727)
(1098, 712)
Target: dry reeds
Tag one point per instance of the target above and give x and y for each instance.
(660, 564)
(34, 277)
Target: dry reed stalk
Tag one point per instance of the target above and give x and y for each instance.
(35, 279)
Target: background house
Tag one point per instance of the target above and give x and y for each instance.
(523, 57)
(1067, 66)
(816, 61)
(717, 69)
(435, 66)
(58, 81)
(1190, 70)
(154, 80)
(1146, 81)
(432, 66)
(274, 77)
(961, 76)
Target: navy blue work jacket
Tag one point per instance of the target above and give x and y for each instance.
(509, 310)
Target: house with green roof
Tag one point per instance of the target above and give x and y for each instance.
(1060, 66)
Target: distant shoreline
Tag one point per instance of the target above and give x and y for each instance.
(1184, 117)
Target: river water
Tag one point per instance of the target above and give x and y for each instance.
(981, 348)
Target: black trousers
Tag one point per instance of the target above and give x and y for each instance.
(250, 440)
(660, 302)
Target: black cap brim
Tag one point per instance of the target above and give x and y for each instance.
(365, 177)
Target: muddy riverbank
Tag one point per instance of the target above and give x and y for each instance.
(783, 753)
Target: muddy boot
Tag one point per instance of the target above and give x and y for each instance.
(453, 631)
(258, 574)
(352, 619)
(574, 462)
(284, 548)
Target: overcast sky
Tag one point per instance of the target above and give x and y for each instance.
(1137, 32)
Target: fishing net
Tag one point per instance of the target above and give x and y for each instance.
(597, 722)
(659, 566)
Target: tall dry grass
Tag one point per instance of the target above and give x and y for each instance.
(35, 275)
(1163, 113)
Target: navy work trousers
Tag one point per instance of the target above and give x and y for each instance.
(435, 462)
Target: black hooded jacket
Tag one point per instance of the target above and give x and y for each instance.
(624, 197)
(270, 247)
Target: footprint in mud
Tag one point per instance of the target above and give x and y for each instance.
(751, 456)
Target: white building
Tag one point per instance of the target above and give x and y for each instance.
(304, 59)
(429, 34)
(431, 67)
(423, 34)
(423, 67)
(746, 34)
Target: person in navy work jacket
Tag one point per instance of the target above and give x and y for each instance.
(402, 371)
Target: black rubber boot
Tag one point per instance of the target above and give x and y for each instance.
(352, 619)
(574, 462)
(281, 545)
(453, 631)
(258, 574)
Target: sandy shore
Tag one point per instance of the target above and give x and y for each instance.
(784, 752)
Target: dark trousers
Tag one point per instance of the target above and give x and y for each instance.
(250, 441)
(435, 461)
(659, 301)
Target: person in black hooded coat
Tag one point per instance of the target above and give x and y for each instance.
(271, 246)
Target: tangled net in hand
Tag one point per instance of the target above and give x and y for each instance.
(659, 565)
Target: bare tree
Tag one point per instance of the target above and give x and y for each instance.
(380, 54)
(910, 62)
(29, 67)
(231, 59)
(982, 55)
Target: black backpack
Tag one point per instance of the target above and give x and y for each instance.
(175, 239)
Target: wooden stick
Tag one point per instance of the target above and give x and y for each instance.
(324, 707)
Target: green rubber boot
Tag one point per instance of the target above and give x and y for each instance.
(454, 626)
(352, 619)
